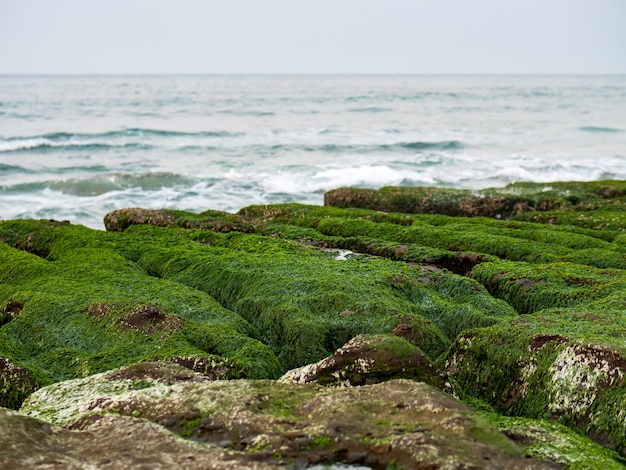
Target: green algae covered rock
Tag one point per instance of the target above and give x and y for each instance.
(229, 305)
(494, 202)
(563, 364)
(548, 440)
(16, 383)
(397, 424)
(516, 293)
(86, 308)
(369, 359)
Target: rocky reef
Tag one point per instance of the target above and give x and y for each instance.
(392, 328)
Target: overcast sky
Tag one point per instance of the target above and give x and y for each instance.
(312, 36)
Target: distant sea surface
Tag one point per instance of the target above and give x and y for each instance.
(75, 148)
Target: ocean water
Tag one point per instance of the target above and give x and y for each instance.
(75, 148)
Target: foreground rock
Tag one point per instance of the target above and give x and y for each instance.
(113, 442)
(401, 422)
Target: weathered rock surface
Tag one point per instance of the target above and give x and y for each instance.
(110, 442)
(369, 359)
(543, 439)
(566, 364)
(400, 422)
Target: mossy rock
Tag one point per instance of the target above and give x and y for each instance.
(549, 440)
(369, 359)
(256, 293)
(16, 383)
(493, 202)
(120, 219)
(96, 300)
(609, 220)
(86, 308)
(563, 364)
(441, 240)
(399, 422)
(298, 295)
(531, 287)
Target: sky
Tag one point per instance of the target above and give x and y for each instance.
(313, 37)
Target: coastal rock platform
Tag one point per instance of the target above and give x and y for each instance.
(412, 328)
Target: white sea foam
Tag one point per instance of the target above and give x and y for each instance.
(19, 144)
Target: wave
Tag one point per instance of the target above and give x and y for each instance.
(105, 140)
(41, 144)
(7, 169)
(443, 145)
(104, 183)
(364, 148)
(599, 129)
(165, 133)
(235, 112)
(371, 109)
(101, 184)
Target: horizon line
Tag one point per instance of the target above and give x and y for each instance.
(305, 74)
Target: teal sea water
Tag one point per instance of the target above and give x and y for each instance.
(75, 148)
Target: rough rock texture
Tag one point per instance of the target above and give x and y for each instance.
(369, 359)
(562, 364)
(543, 439)
(110, 442)
(120, 219)
(401, 422)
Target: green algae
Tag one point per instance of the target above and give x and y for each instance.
(516, 241)
(90, 284)
(86, 309)
(298, 300)
(308, 300)
(376, 232)
(606, 221)
(531, 287)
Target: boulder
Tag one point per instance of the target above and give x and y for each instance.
(400, 422)
(110, 442)
(568, 365)
(369, 359)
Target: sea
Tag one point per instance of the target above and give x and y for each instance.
(76, 147)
